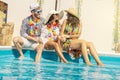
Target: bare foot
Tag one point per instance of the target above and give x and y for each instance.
(61, 60)
(101, 64)
(89, 64)
(36, 62)
(21, 57)
(65, 61)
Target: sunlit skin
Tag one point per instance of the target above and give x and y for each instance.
(55, 44)
(79, 44)
(18, 42)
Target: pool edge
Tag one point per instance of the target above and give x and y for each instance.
(99, 52)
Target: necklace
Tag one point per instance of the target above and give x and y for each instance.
(33, 27)
(53, 31)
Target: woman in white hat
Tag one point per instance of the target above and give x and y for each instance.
(50, 33)
(71, 30)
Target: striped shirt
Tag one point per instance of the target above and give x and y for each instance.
(25, 27)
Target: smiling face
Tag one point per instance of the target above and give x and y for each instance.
(53, 18)
(36, 12)
(56, 16)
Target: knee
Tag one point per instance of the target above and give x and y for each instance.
(55, 44)
(39, 48)
(90, 44)
(16, 39)
(83, 42)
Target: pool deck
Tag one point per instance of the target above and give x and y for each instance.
(99, 52)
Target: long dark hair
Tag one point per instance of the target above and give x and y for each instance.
(51, 18)
(74, 21)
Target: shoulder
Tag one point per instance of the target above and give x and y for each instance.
(26, 19)
(42, 19)
(65, 21)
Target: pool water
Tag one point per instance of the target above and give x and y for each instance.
(50, 68)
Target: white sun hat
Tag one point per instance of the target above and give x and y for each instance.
(34, 6)
(53, 12)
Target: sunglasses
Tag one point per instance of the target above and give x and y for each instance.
(37, 11)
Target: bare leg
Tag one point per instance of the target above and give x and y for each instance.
(81, 44)
(57, 49)
(85, 54)
(94, 53)
(39, 52)
(60, 46)
(60, 53)
(17, 42)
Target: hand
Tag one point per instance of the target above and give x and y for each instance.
(66, 36)
(62, 38)
(32, 39)
(40, 40)
(35, 40)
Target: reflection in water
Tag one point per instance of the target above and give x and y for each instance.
(37, 75)
(14, 69)
(59, 69)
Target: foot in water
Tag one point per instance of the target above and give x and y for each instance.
(89, 64)
(21, 57)
(62, 61)
(101, 64)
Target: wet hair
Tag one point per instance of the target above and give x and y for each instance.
(74, 21)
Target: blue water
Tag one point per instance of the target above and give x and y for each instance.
(50, 68)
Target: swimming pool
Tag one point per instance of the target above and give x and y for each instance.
(51, 69)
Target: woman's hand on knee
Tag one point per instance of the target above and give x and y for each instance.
(62, 38)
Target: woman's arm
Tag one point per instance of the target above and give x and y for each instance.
(80, 29)
(63, 27)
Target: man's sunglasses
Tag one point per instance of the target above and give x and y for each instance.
(37, 11)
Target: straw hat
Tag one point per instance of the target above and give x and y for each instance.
(73, 12)
(54, 12)
(34, 6)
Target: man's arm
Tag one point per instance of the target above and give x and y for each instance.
(23, 31)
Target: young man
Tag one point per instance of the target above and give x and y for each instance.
(30, 33)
